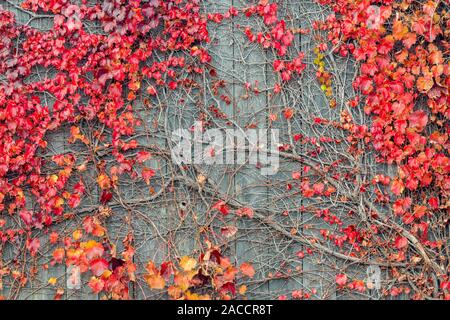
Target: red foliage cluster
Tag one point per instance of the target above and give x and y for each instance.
(190, 275)
(404, 79)
(280, 38)
(401, 67)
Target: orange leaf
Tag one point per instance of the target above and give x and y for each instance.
(397, 187)
(409, 39)
(53, 237)
(76, 135)
(174, 292)
(419, 211)
(399, 30)
(155, 281)
(98, 231)
(58, 255)
(242, 289)
(96, 284)
(103, 181)
(424, 84)
(247, 269)
(182, 281)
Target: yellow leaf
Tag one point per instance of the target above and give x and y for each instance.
(59, 202)
(54, 178)
(52, 281)
(77, 234)
(187, 263)
(90, 244)
(192, 296)
(107, 273)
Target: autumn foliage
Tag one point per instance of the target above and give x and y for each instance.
(108, 58)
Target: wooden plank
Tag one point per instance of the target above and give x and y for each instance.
(250, 69)
(284, 254)
(316, 270)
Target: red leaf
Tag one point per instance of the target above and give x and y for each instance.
(357, 285)
(318, 188)
(221, 207)
(98, 266)
(151, 91)
(96, 284)
(242, 212)
(296, 175)
(147, 174)
(288, 113)
(143, 156)
(401, 242)
(74, 200)
(166, 270)
(433, 202)
(229, 231)
(278, 65)
(418, 119)
(33, 246)
(341, 279)
(228, 287)
(105, 197)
